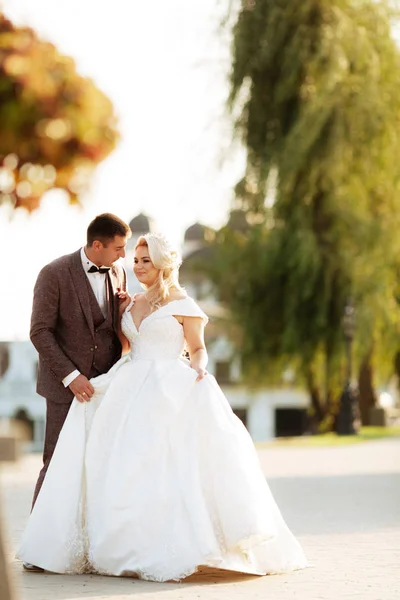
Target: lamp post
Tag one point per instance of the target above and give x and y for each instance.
(348, 419)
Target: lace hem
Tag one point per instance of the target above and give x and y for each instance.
(242, 549)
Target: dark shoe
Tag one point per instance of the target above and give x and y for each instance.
(32, 568)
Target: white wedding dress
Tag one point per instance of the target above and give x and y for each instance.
(156, 475)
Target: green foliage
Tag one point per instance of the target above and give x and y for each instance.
(55, 125)
(316, 84)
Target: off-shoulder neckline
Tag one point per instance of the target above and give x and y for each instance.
(132, 302)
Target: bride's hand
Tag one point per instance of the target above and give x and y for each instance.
(124, 299)
(201, 373)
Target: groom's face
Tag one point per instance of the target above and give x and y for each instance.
(109, 253)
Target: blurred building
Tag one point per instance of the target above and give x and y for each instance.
(18, 398)
(267, 412)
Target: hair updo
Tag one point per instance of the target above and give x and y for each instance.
(167, 261)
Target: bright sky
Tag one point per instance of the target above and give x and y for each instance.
(164, 64)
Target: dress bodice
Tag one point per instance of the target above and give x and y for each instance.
(159, 336)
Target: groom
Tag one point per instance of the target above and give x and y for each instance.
(75, 323)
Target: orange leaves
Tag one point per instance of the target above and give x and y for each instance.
(56, 126)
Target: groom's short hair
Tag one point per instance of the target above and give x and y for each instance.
(105, 227)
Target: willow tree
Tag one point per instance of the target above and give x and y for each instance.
(315, 86)
(55, 125)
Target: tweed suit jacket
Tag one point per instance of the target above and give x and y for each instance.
(62, 325)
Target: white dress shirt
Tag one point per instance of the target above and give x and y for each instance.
(98, 284)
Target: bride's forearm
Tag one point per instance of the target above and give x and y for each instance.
(199, 359)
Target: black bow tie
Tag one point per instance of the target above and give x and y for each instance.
(94, 269)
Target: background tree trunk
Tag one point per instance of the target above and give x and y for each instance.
(318, 410)
(367, 395)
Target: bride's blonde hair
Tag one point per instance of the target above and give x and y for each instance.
(167, 261)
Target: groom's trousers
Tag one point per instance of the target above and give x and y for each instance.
(55, 416)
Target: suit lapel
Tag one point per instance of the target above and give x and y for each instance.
(80, 283)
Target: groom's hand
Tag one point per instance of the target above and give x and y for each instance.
(82, 388)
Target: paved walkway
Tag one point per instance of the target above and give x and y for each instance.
(343, 504)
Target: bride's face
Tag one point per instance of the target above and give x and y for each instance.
(143, 268)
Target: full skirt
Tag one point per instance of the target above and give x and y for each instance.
(153, 478)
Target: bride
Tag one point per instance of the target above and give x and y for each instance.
(156, 476)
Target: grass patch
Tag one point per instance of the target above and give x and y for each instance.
(365, 434)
